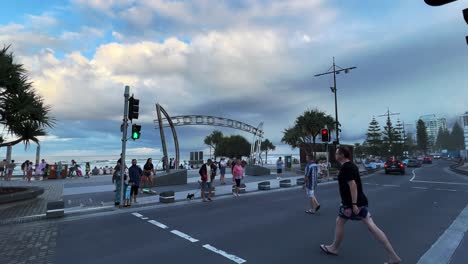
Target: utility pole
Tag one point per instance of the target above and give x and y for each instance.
(124, 144)
(334, 90)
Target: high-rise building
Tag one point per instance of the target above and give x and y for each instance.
(433, 124)
(464, 124)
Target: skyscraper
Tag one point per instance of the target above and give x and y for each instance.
(464, 124)
(433, 124)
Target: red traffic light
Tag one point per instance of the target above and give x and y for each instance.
(324, 131)
(325, 136)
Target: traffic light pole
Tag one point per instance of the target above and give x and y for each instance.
(124, 144)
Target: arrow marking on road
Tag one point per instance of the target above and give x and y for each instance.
(156, 223)
(225, 254)
(184, 236)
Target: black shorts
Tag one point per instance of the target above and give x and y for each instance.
(134, 190)
(349, 215)
(238, 182)
(279, 171)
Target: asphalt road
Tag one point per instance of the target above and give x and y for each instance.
(272, 227)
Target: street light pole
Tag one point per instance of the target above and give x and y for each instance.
(336, 71)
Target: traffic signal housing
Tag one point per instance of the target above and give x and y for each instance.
(136, 131)
(438, 2)
(325, 135)
(133, 108)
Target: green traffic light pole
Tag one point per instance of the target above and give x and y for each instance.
(124, 144)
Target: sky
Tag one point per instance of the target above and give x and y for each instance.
(248, 60)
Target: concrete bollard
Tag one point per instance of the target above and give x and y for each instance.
(241, 188)
(285, 183)
(167, 197)
(55, 209)
(264, 186)
(300, 181)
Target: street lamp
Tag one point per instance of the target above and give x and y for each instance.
(334, 91)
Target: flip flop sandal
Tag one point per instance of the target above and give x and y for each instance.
(309, 212)
(326, 251)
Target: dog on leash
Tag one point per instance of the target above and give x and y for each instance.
(191, 196)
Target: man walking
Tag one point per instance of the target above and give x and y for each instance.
(354, 207)
(310, 184)
(205, 174)
(135, 173)
(279, 168)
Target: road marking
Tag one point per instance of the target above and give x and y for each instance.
(185, 236)
(450, 183)
(443, 249)
(390, 185)
(450, 190)
(156, 223)
(137, 215)
(368, 183)
(225, 254)
(414, 176)
(144, 218)
(422, 188)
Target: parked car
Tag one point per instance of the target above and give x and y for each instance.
(394, 166)
(427, 160)
(436, 156)
(373, 164)
(413, 163)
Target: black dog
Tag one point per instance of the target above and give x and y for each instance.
(190, 196)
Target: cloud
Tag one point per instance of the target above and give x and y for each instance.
(85, 33)
(52, 138)
(143, 151)
(42, 21)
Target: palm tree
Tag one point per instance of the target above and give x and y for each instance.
(27, 116)
(306, 129)
(213, 140)
(266, 146)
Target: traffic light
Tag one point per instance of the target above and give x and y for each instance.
(133, 108)
(438, 2)
(136, 131)
(465, 16)
(325, 135)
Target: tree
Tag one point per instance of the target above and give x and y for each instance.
(27, 116)
(422, 137)
(306, 129)
(374, 138)
(233, 146)
(457, 140)
(410, 144)
(358, 150)
(266, 146)
(392, 140)
(213, 139)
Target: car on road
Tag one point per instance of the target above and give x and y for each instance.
(427, 160)
(373, 164)
(413, 163)
(394, 166)
(437, 157)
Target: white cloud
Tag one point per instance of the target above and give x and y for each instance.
(84, 33)
(143, 151)
(52, 138)
(42, 21)
(117, 35)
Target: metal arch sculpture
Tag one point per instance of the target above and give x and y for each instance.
(197, 120)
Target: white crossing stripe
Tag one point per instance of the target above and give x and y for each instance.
(443, 249)
(144, 218)
(224, 254)
(422, 188)
(450, 190)
(391, 185)
(184, 236)
(137, 215)
(156, 223)
(450, 183)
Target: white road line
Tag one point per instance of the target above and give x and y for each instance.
(450, 183)
(368, 183)
(422, 188)
(414, 176)
(443, 249)
(450, 190)
(156, 223)
(185, 236)
(390, 185)
(225, 254)
(137, 215)
(144, 218)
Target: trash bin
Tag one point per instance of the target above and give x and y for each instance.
(53, 172)
(64, 171)
(288, 162)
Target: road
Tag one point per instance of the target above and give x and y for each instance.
(414, 210)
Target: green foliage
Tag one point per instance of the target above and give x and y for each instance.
(233, 147)
(422, 137)
(457, 138)
(374, 138)
(266, 146)
(306, 129)
(213, 139)
(27, 116)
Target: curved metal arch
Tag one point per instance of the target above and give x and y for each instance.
(256, 145)
(159, 110)
(197, 120)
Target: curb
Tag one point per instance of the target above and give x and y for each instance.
(455, 169)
